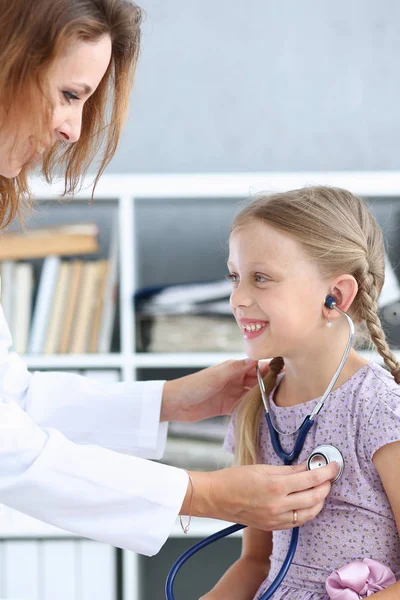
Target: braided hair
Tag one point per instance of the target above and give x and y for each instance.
(338, 232)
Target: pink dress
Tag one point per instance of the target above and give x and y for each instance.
(356, 522)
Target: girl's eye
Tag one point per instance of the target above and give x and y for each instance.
(232, 277)
(69, 96)
(261, 278)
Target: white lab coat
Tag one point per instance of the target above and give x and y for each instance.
(65, 446)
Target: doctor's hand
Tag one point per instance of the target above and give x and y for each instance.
(260, 496)
(208, 393)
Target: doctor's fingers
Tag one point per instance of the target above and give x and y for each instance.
(305, 480)
(302, 516)
(305, 504)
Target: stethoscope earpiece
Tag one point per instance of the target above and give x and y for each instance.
(323, 455)
(330, 302)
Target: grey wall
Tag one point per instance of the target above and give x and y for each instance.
(228, 85)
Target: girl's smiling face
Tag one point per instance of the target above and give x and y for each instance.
(278, 293)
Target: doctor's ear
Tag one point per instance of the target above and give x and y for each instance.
(343, 289)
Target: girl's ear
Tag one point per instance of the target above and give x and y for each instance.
(344, 289)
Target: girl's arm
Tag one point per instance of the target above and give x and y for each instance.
(244, 577)
(387, 463)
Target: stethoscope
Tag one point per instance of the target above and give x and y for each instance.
(321, 456)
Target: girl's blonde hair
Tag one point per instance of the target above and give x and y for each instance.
(337, 231)
(33, 34)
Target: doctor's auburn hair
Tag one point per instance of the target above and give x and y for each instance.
(338, 232)
(33, 33)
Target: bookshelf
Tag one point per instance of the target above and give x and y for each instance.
(176, 245)
(126, 194)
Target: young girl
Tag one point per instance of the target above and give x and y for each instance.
(287, 253)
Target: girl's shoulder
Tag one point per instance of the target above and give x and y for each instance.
(371, 388)
(375, 384)
(378, 400)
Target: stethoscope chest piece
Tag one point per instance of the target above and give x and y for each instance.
(323, 455)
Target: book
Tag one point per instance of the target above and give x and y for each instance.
(7, 288)
(198, 455)
(76, 270)
(44, 302)
(209, 297)
(213, 429)
(110, 294)
(22, 309)
(184, 294)
(58, 297)
(192, 333)
(53, 337)
(220, 307)
(99, 303)
(84, 318)
(67, 240)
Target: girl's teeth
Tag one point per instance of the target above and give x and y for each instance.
(253, 327)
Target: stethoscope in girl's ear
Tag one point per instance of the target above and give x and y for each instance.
(321, 456)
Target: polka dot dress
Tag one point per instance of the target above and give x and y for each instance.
(356, 522)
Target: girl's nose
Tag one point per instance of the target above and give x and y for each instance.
(241, 297)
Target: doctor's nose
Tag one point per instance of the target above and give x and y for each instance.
(69, 131)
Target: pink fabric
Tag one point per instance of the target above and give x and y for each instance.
(359, 579)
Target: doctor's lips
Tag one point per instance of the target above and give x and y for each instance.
(252, 328)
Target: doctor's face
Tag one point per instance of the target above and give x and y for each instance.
(277, 292)
(72, 79)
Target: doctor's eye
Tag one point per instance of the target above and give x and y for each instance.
(69, 96)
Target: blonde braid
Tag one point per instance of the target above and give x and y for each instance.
(368, 294)
(249, 416)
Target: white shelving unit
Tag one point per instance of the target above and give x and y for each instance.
(125, 191)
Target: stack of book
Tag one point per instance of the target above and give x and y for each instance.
(187, 318)
(64, 303)
(197, 446)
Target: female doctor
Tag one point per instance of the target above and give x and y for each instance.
(71, 449)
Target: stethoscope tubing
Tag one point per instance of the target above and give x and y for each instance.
(169, 593)
(287, 458)
(193, 550)
(285, 566)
